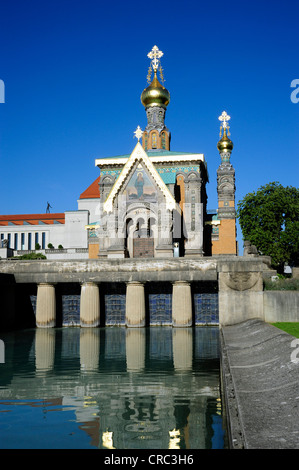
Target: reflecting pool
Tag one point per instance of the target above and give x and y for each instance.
(111, 388)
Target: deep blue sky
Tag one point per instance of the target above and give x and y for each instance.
(74, 73)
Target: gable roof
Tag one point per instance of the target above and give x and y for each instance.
(93, 191)
(139, 155)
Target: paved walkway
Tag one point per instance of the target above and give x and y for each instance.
(262, 386)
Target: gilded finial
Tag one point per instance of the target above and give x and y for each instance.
(155, 55)
(155, 95)
(225, 145)
(138, 133)
(224, 118)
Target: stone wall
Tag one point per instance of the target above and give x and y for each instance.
(281, 306)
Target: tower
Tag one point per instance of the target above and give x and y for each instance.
(225, 240)
(155, 98)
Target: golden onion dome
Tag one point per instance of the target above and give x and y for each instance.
(225, 144)
(155, 94)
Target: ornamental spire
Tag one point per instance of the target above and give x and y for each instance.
(224, 118)
(155, 55)
(225, 145)
(138, 133)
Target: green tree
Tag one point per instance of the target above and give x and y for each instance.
(269, 219)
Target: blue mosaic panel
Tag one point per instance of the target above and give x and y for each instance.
(160, 309)
(71, 310)
(115, 309)
(206, 309)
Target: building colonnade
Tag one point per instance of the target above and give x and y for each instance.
(135, 304)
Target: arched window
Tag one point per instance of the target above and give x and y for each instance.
(154, 140)
(145, 140)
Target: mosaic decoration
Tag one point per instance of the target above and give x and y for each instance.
(140, 187)
(71, 310)
(168, 174)
(160, 309)
(206, 309)
(115, 309)
(110, 172)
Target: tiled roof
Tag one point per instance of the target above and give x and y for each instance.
(32, 219)
(93, 191)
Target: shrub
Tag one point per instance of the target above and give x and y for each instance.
(30, 256)
(282, 284)
(50, 246)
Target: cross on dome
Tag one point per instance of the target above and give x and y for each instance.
(155, 54)
(224, 118)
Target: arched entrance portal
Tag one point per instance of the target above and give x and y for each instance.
(141, 235)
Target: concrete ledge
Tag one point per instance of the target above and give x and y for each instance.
(112, 270)
(131, 269)
(261, 386)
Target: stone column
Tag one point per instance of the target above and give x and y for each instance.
(135, 304)
(45, 306)
(135, 349)
(89, 305)
(181, 304)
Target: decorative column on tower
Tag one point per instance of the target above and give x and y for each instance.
(155, 98)
(226, 213)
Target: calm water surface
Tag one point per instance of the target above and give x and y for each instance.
(111, 388)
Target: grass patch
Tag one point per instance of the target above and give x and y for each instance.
(289, 327)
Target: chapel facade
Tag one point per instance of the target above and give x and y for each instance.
(153, 202)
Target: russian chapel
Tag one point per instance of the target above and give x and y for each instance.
(153, 202)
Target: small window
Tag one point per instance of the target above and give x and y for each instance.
(43, 240)
(22, 241)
